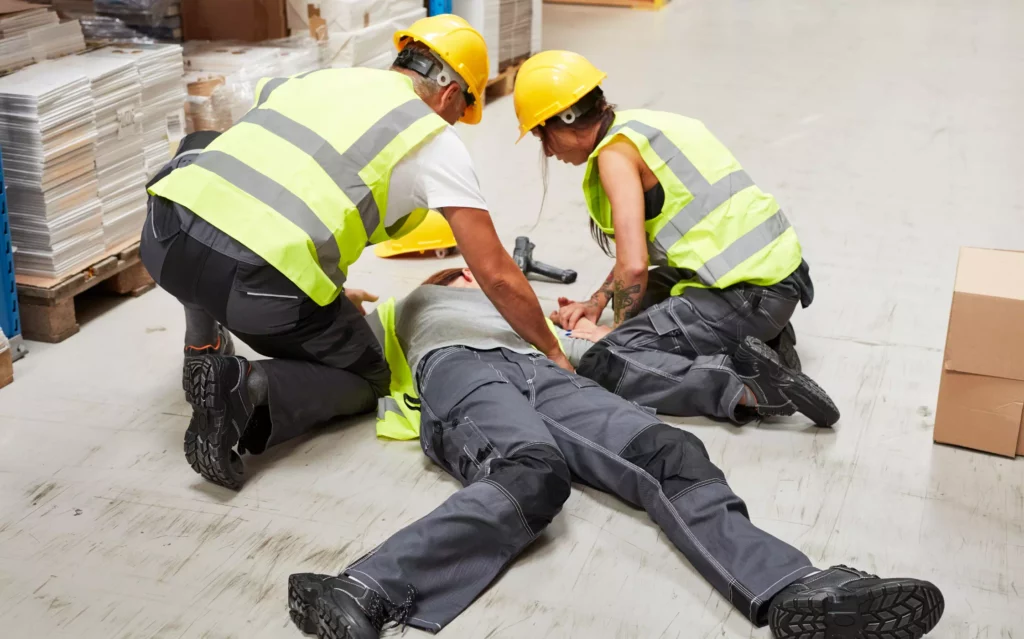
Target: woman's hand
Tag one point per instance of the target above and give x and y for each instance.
(570, 312)
(357, 296)
(585, 329)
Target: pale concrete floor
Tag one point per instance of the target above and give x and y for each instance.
(889, 131)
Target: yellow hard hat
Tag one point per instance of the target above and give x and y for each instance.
(432, 234)
(459, 45)
(549, 83)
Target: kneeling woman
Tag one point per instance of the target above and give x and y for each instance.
(670, 195)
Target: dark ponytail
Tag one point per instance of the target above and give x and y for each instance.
(601, 114)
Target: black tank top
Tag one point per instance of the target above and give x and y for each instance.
(654, 201)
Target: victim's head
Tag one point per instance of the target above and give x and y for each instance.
(454, 278)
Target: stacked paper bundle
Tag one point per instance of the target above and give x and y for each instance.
(29, 33)
(48, 134)
(15, 52)
(120, 161)
(163, 97)
(23, 17)
(56, 40)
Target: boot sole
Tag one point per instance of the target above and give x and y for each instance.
(303, 613)
(895, 610)
(316, 617)
(809, 398)
(211, 436)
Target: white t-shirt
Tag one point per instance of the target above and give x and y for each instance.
(439, 174)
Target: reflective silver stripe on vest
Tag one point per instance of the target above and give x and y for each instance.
(744, 248)
(291, 206)
(387, 405)
(268, 88)
(344, 168)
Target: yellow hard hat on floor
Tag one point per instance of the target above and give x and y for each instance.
(432, 234)
(549, 83)
(459, 45)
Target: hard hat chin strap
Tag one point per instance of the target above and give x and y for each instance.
(435, 69)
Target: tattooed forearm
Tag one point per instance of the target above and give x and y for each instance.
(606, 292)
(626, 301)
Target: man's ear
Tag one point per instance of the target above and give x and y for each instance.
(468, 274)
(452, 99)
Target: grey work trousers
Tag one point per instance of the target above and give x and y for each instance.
(326, 362)
(676, 356)
(515, 430)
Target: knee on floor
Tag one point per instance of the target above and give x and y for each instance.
(538, 478)
(676, 458)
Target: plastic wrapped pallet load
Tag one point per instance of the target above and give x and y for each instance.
(223, 76)
(344, 16)
(511, 28)
(48, 134)
(370, 44)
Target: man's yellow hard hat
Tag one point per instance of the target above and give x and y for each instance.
(459, 45)
(432, 234)
(551, 82)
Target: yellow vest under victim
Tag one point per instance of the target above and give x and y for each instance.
(302, 179)
(398, 415)
(715, 221)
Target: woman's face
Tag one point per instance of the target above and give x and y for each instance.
(562, 143)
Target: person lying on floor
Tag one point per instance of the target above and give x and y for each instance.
(516, 430)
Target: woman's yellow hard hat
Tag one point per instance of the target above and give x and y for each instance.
(551, 82)
(459, 45)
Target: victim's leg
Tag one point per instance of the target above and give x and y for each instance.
(614, 446)
(479, 425)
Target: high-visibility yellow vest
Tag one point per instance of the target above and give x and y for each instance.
(715, 221)
(302, 179)
(398, 415)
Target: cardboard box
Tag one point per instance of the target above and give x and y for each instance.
(981, 394)
(246, 20)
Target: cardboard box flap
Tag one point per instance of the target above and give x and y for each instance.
(991, 273)
(984, 413)
(986, 321)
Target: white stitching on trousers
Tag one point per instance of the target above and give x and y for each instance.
(515, 503)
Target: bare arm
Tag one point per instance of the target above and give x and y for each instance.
(619, 164)
(501, 280)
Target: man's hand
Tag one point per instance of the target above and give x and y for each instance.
(570, 312)
(560, 359)
(585, 329)
(357, 296)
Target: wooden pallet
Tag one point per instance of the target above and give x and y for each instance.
(48, 304)
(502, 84)
(634, 4)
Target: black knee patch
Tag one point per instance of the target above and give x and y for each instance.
(599, 365)
(539, 480)
(674, 457)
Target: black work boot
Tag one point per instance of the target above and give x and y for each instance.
(843, 603)
(223, 346)
(785, 345)
(780, 390)
(340, 607)
(215, 385)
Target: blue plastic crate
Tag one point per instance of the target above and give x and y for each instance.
(435, 7)
(9, 318)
